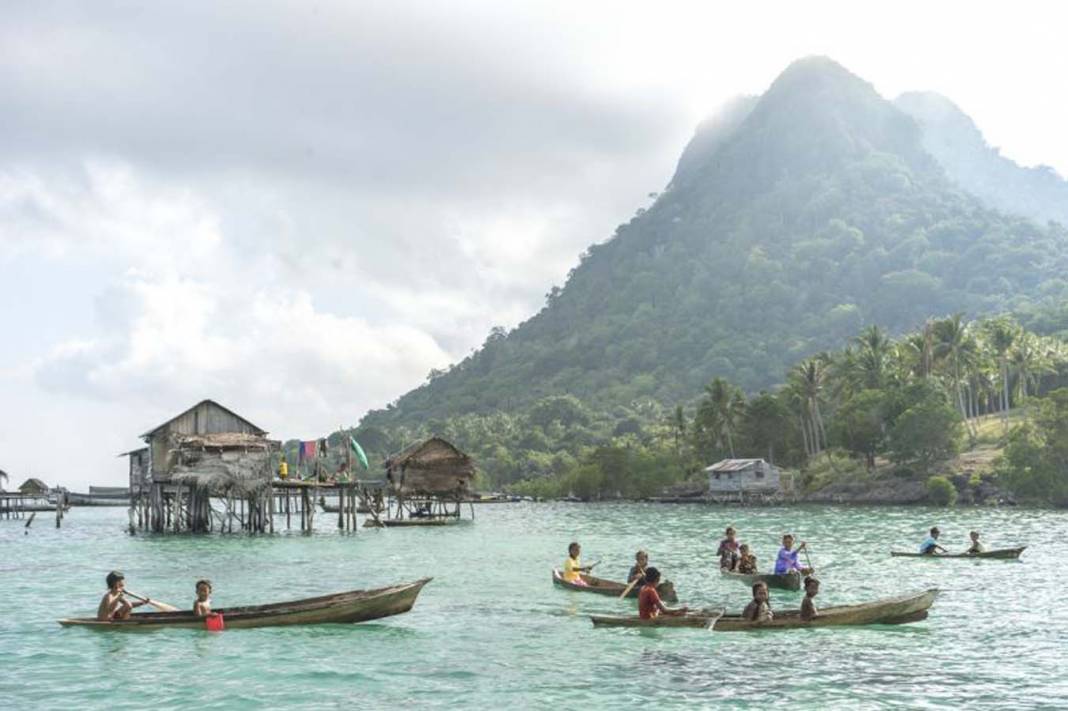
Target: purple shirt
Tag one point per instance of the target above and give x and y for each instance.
(786, 561)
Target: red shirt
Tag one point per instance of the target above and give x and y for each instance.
(648, 603)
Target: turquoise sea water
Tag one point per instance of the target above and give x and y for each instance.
(491, 631)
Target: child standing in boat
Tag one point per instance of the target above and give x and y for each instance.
(649, 603)
(202, 605)
(728, 550)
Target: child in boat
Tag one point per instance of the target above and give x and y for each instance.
(649, 603)
(728, 550)
(747, 562)
(976, 546)
(787, 561)
(930, 544)
(113, 606)
(573, 568)
(641, 562)
(202, 605)
(759, 610)
(808, 605)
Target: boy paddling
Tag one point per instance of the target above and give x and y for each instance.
(787, 561)
(641, 562)
(573, 568)
(649, 603)
(113, 606)
(930, 544)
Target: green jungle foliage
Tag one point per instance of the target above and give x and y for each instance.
(793, 220)
(914, 400)
(941, 492)
(1035, 464)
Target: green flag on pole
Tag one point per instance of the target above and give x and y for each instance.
(359, 452)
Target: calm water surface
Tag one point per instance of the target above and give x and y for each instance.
(491, 631)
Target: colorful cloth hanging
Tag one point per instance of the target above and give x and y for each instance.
(307, 450)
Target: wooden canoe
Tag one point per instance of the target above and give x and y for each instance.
(891, 611)
(610, 587)
(786, 581)
(346, 607)
(1001, 553)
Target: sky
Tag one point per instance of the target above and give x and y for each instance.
(299, 209)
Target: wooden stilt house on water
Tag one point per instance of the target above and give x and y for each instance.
(206, 453)
(427, 482)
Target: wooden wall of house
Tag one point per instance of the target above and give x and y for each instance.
(744, 480)
(139, 476)
(205, 418)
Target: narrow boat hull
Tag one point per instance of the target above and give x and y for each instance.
(340, 608)
(1000, 553)
(892, 611)
(786, 581)
(601, 586)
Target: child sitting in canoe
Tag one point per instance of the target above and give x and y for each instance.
(808, 605)
(573, 568)
(113, 606)
(747, 562)
(930, 544)
(641, 562)
(976, 546)
(787, 561)
(728, 550)
(202, 605)
(649, 603)
(759, 610)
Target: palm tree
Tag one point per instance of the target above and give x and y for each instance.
(918, 350)
(1001, 336)
(1031, 358)
(873, 353)
(955, 345)
(721, 411)
(809, 377)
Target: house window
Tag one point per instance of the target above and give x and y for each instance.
(717, 476)
(760, 475)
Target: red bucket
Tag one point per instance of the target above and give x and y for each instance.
(214, 622)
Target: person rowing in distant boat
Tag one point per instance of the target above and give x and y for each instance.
(747, 562)
(573, 568)
(976, 546)
(649, 603)
(728, 550)
(787, 561)
(637, 571)
(113, 606)
(808, 605)
(202, 605)
(759, 608)
(930, 544)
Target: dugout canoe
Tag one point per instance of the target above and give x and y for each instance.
(339, 608)
(890, 611)
(1000, 553)
(786, 581)
(610, 587)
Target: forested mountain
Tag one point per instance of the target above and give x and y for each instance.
(958, 145)
(793, 220)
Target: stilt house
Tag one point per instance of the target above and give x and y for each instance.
(427, 482)
(742, 476)
(207, 451)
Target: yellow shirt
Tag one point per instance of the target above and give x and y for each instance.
(571, 570)
(283, 469)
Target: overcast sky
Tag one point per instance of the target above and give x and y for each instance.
(299, 209)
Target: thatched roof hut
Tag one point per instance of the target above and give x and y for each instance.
(224, 462)
(33, 487)
(431, 468)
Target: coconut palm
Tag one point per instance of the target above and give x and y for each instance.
(1001, 336)
(809, 378)
(720, 413)
(956, 347)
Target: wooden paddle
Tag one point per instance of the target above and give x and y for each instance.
(632, 584)
(808, 560)
(161, 606)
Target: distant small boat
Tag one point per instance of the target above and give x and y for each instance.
(339, 608)
(891, 611)
(336, 508)
(786, 581)
(611, 587)
(410, 522)
(1002, 553)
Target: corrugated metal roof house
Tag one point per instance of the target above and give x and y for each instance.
(732, 476)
